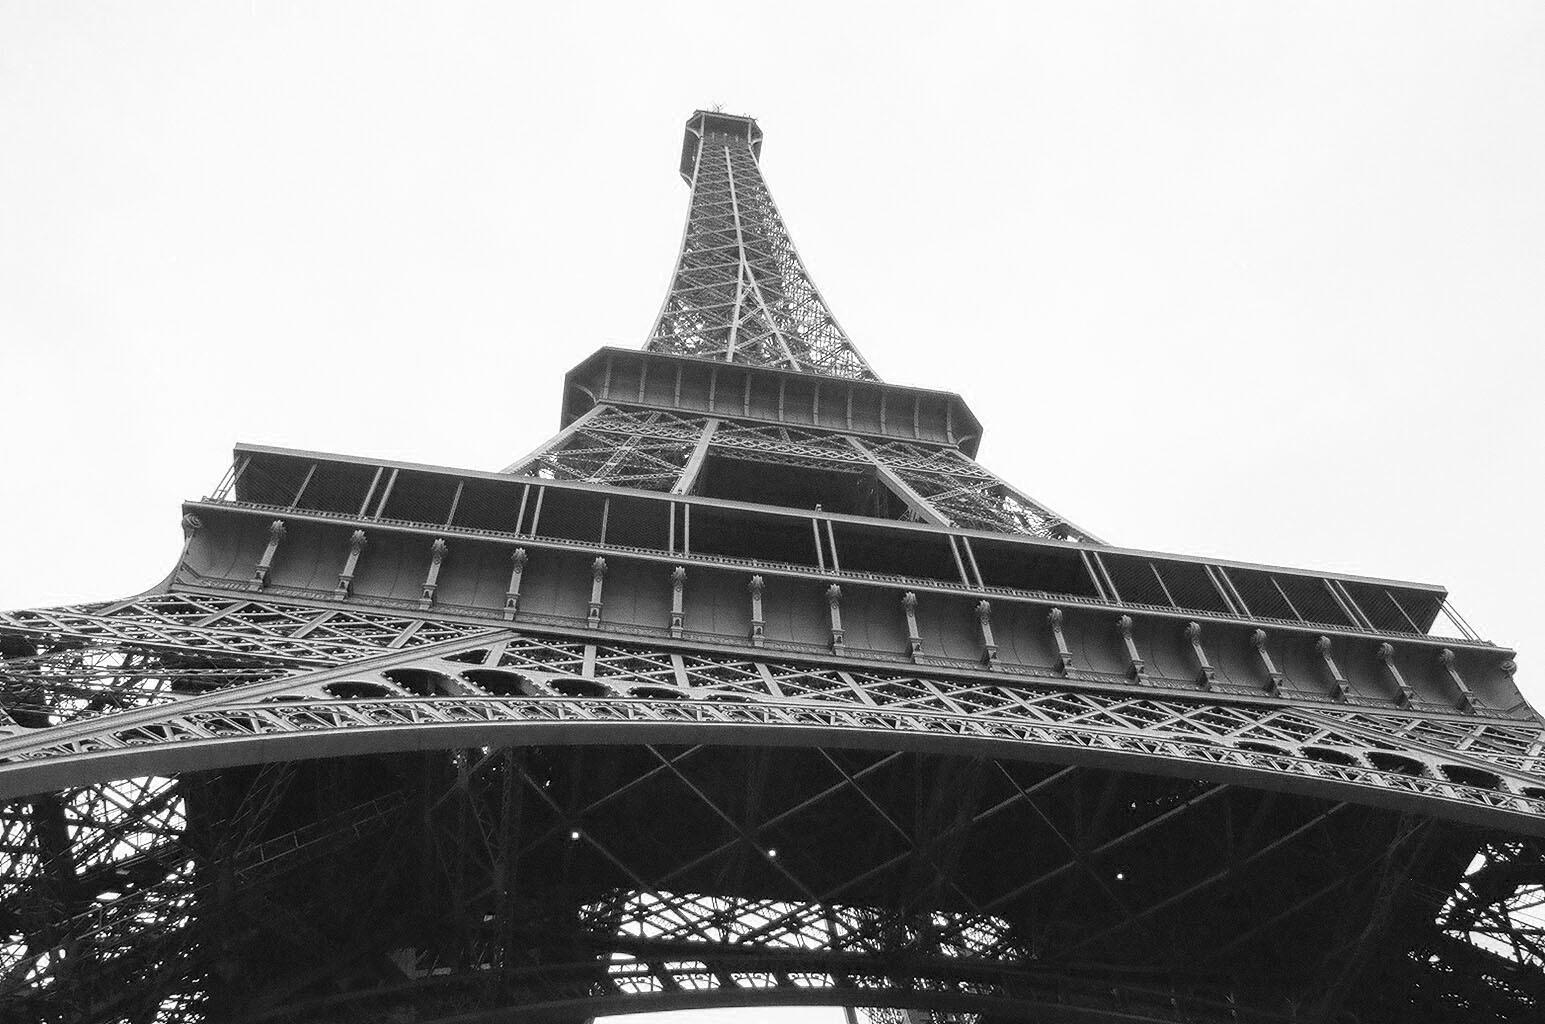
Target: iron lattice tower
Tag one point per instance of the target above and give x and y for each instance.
(749, 687)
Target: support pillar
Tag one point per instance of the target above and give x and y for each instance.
(1137, 669)
(1403, 693)
(914, 638)
(1276, 679)
(1466, 697)
(512, 594)
(1205, 675)
(1064, 656)
(1339, 688)
(437, 552)
(266, 563)
(350, 564)
(678, 594)
(834, 603)
(984, 622)
(758, 627)
(597, 577)
(191, 524)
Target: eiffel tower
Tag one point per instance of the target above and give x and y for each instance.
(751, 687)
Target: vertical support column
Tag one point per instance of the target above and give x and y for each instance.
(266, 563)
(758, 627)
(678, 594)
(1204, 670)
(346, 577)
(437, 552)
(191, 524)
(989, 645)
(1466, 698)
(914, 638)
(1277, 679)
(1064, 656)
(597, 576)
(834, 603)
(1338, 689)
(512, 594)
(1403, 693)
(1137, 669)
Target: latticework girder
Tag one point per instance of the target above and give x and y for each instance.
(967, 884)
(740, 292)
(465, 680)
(621, 447)
(654, 450)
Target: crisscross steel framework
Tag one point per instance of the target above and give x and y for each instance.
(117, 888)
(232, 799)
(740, 291)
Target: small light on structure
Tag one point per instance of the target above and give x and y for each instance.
(574, 835)
(772, 851)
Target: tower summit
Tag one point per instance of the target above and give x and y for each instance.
(735, 129)
(750, 687)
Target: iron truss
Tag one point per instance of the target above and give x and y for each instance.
(119, 893)
(73, 694)
(740, 292)
(664, 451)
(257, 801)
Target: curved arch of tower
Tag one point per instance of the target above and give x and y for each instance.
(751, 686)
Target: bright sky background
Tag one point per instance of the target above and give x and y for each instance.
(1259, 281)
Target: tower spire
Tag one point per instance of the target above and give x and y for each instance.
(740, 292)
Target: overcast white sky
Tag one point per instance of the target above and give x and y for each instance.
(1259, 281)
